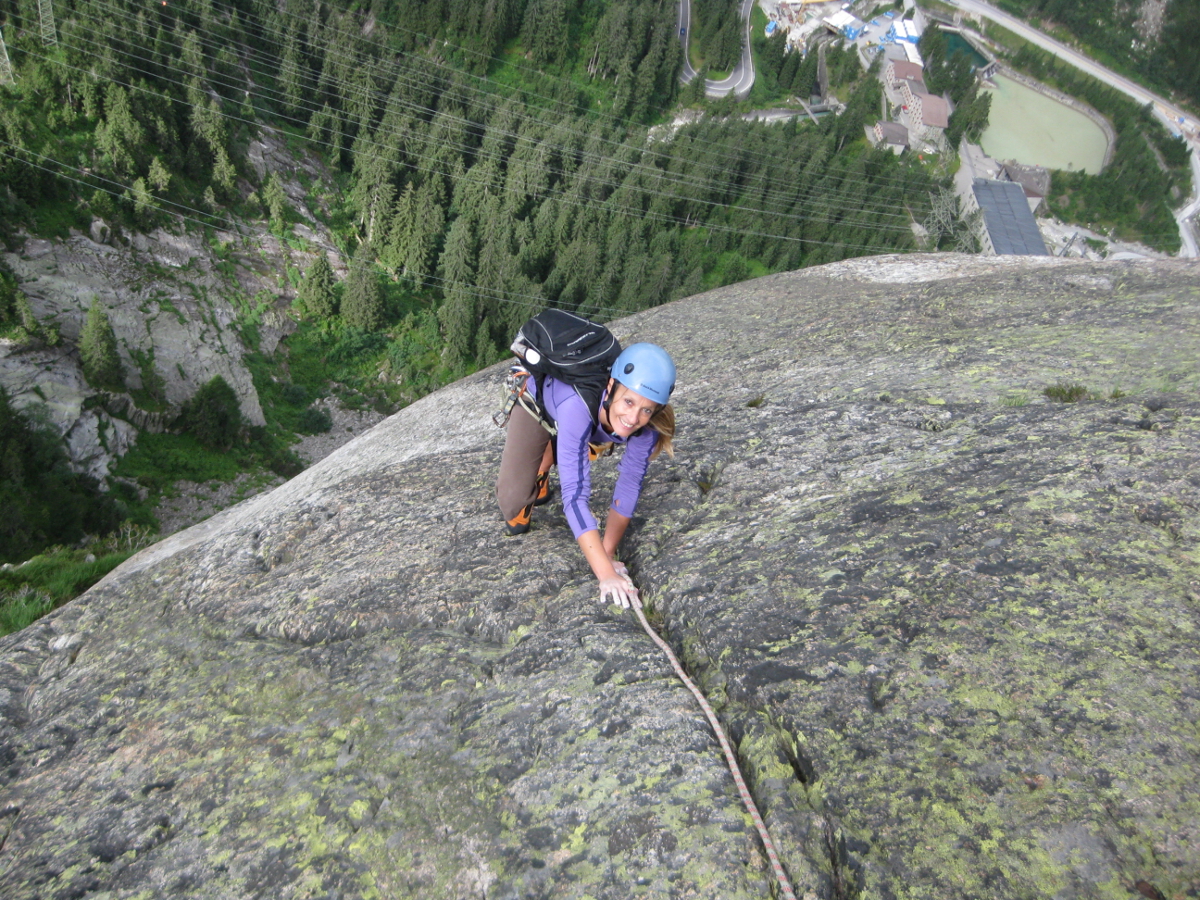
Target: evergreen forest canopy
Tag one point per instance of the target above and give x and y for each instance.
(1116, 36)
(546, 183)
(716, 35)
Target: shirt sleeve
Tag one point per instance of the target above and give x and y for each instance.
(632, 470)
(574, 468)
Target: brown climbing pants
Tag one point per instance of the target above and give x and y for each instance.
(525, 445)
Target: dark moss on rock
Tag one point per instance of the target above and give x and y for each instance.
(950, 624)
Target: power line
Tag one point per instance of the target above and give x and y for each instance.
(653, 172)
(646, 149)
(418, 78)
(565, 196)
(233, 226)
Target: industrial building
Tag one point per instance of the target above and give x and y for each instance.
(1009, 228)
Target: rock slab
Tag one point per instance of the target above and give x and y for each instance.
(950, 623)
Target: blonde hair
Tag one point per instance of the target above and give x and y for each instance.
(663, 422)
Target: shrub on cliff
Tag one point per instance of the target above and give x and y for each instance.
(213, 415)
(16, 315)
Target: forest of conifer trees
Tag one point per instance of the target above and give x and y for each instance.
(551, 182)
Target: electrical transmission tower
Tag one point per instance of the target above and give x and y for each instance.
(6, 72)
(46, 11)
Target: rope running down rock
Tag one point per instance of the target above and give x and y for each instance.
(747, 800)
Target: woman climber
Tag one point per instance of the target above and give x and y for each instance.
(633, 411)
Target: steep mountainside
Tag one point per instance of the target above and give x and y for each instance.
(177, 302)
(950, 622)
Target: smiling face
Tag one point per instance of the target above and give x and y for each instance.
(627, 412)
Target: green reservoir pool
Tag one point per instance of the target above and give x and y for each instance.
(1033, 129)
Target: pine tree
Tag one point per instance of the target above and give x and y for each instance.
(291, 81)
(276, 201)
(544, 31)
(362, 305)
(120, 136)
(316, 293)
(143, 208)
(224, 175)
(399, 230)
(98, 350)
(160, 177)
(457, 313)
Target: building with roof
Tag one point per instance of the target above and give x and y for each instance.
(845, 24)
(909, 87)
(889, 136)
(1034, 181)
(929, 115)
(903, 30)
(897, 70)
(1009, 228)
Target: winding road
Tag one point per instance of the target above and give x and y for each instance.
(741, 79)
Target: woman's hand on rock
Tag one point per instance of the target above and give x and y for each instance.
(619, 591)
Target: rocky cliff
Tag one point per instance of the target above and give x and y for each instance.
(174, 302)
(950, 623)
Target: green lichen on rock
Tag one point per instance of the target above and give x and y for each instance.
(953, 638)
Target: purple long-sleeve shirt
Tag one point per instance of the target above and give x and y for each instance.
(575, 429)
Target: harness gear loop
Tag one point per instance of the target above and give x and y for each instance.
(516, 387)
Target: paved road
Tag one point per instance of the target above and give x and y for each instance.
(685, 29)
(1077, 59)
(741, 79)
(1186, 217)
(1178, 119)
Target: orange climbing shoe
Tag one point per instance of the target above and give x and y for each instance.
(519, 524)
(543, 489)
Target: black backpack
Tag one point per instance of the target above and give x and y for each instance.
(570, 348)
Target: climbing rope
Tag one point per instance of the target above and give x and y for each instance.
(747, 800)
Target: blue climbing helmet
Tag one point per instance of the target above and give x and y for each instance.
(646, 369)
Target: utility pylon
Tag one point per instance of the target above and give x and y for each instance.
(46, 12)
(6, 72)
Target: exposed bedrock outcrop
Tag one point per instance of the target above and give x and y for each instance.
(170, 299)
(950, 624)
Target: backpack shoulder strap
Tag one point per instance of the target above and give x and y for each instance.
(590, 394)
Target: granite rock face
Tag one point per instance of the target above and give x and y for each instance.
(172, 300)
(950, 624)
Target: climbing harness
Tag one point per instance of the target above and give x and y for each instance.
(516, 392)
(514, 387)
(781, 876)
